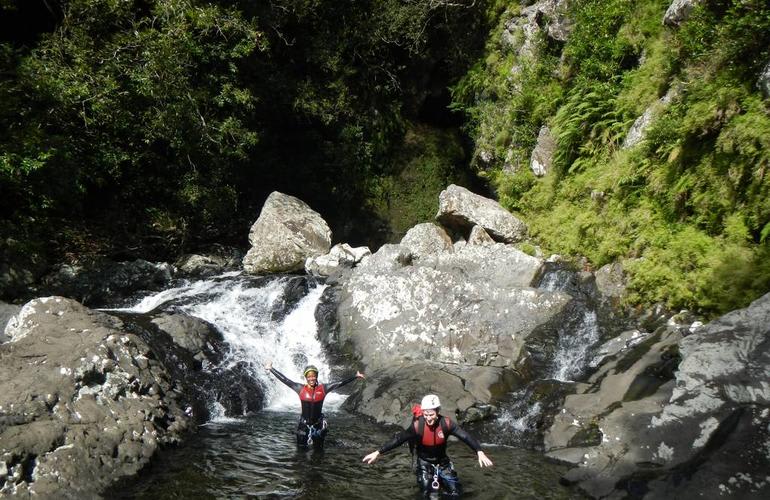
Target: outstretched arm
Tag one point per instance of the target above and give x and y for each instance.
(336, 385)
(466, 438)
(296, 386)
(399, 439)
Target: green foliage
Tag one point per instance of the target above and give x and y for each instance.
(687, 209)
(171, 120)
(588, 124)
(123, 105)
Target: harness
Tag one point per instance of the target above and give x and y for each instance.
(438, 472)
(316, 430)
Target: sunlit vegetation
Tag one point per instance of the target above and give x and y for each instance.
(687, 209)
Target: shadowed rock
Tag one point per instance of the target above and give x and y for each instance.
(460, 210)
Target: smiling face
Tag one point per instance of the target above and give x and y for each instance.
(430, 416)
(311, 378)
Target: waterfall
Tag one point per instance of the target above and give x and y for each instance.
(253, 317)
(565, 358)
(580, 330)
(575, 342)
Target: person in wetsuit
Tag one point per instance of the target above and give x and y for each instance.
(312, 426)
(429, 433)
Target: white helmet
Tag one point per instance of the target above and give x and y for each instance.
(430, 402)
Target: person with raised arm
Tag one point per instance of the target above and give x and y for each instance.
(312, 427)
(429, 433)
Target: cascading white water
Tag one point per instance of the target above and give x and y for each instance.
(243, 312)
(571, 355)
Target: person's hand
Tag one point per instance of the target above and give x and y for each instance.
(360, 375)
(269, 365)
(484, 460)
(371, 457)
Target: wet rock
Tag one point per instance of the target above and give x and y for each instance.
(190, 333)
(388, 393)
(460, 210)
(285, 235)
(679, 416)
(618, 345)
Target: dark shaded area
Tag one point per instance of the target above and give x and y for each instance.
(728, 450)
(134, 131)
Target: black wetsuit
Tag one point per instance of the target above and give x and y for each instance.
(312, 426)
(433, 464)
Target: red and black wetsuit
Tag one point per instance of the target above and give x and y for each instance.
(312, 400)
(432, 459)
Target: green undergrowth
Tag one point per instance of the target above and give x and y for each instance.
(688, 208)
(428, 160)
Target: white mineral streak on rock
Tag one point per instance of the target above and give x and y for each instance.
(707, 428)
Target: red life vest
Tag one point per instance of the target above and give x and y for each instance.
(312, 395)
(435, 436)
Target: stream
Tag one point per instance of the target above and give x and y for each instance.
(255, 456)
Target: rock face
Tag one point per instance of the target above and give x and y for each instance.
(542, 155)
(460, 209)
(86, 397)
(674, 417)
(285, 235)
(81, 401)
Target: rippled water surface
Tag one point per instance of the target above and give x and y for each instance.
(256, 457)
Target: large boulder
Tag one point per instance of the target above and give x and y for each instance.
(473, 306)
(674, 416)
(82, 402)
(461, 315)
(285, 235)
(460, 209)
(87, 397)
(389, 392)
(217, 260)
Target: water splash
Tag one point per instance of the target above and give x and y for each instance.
(244, 310)
(576, 340)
